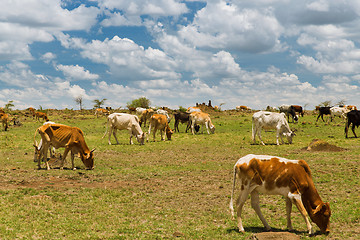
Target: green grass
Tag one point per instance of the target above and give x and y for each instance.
(179, 188)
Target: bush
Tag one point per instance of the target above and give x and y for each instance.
(140, 102)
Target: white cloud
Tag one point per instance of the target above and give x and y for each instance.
(48, 57)
(76, 72)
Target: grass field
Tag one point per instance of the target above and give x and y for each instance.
(163, 190)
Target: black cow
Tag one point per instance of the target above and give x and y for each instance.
(289, 110)
(353, 117)
(183, 117)
(323, 111)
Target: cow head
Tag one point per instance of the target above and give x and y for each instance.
(37, 153)
(321, 217)
(212, 128)
(289, 136)
(141, 138)
(88, 159)
(169, 132)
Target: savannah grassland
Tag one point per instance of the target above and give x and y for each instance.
(165, 190)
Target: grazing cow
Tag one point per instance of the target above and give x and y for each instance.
(5, 120)
(42, 115)
(122, 121)
(353, 117)
(183, 117)
(288, 110)
(145, 115)
(101, 112)
(298, 109)
(280, 176)
(201, 118)
(271, 120)
(159, 122)
(323, 111)
(338, 111)
(32, 111)
(193, 109)
(71, 138)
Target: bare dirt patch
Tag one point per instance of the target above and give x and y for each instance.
(275, 235)
(321, 145)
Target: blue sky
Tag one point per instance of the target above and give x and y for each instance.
(177, 53)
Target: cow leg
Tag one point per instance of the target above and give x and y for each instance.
(162, 134)
(207, 127)
(192, 127)
(255, 205)
(44, 153)
(72, 161)
(288, 214)
(353, 129)
(297, 201)
(67, 149)
(259, 135)
(114, 133)
(110, 132)
(240, 203)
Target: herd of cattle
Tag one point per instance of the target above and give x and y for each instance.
(256, 173)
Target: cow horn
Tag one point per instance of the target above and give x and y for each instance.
(93, 150)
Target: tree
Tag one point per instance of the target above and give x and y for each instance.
(325, 104)
(140, 102)
(9, 105)
(79, 100)
(99, 103)
(341, 102)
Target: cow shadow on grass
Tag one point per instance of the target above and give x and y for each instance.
(262, 229)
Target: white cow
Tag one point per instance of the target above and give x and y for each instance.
(139, 110)
(338, 111)
(271, 120)
(122, 121)
(164, 112)
(201, 118)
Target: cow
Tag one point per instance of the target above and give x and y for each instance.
(288, 110)
(139, 110)
(271, 120)
(122, 121)
(42, 115)
(71, 138)
(350, 107)
(32, 111)
(201, 118)
(243, 108)
(299, 109)
(183, 117)
(5, 120)
(38, 153)
(145, 115)
(323, 111)
(101, 112)
(338, 111)
(280, 176)
(193, 109)
(353, 117)
(164, 112)
(159, 122)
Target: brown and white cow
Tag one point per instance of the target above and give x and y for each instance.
(42, 115)
(193, 109)
(5, 120)
(201, 118)
(146, 115)
(101, 112)
(122, 121)
(70, 138)
(159, 122)
(243, 108)
(298, 109)
(279, 176)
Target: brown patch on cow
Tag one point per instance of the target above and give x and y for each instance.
(321, 145)
(275, 236)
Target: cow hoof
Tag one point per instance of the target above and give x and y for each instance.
(74, 168)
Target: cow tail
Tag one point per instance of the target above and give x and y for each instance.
(107, 127)
(232, 194)
(35, 142)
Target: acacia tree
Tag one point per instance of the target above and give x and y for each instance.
(99, 103)
(9, 105)
(140, 102)
(79, 100)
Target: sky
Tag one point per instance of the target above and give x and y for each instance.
(179, 52)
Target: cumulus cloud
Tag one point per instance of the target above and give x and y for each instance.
(76, 72)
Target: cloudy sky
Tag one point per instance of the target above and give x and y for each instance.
(179, 52)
